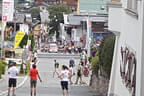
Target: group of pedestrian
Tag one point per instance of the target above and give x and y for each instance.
(84, 63)
(34, 74)
(65, 75)
(13, 72)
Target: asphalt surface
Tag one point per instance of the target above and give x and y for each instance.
(51, 86)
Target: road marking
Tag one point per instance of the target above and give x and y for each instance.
(4, 92)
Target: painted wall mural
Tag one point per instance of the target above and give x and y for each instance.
(128, 69)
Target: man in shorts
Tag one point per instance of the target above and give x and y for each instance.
(13, 72)
(33, 79)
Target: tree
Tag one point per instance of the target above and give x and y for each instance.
(35, 12)
(106, 54)
(31, 37)
(56, 16)
(95, 64)
(24, 41)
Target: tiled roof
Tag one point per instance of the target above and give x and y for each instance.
(71, 2)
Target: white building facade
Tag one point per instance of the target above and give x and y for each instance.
(126, 20)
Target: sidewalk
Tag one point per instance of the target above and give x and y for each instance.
(4, 83)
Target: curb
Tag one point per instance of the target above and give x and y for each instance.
(22, 83)
(1, 80)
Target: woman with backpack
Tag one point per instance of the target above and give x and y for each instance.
(79, 74)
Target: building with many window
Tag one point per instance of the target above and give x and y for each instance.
(126, 21)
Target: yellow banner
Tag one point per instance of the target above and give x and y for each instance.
(78, 7)
(18, 38)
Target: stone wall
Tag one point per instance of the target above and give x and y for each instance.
(99, 85)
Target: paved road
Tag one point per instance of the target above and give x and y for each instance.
(51, 86)
(58, 55)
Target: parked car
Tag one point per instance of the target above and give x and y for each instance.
(53, 48)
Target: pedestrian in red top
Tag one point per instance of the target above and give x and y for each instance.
(33, 79)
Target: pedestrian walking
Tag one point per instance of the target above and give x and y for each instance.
(81, 62)
(86, 70)
(56, 66)
(36, 61)
(31, 63)
(35, 55)
(13, 72)
(79, 74)
(72, 62)
(64, 76)
(33, 79)
(71, 70)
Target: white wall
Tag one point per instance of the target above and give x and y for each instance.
(115, 19)
(130, 29)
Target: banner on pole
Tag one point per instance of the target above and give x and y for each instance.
(18, 38)
(7, 10)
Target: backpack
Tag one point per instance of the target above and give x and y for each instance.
(79, 71)
(57, 65)
(71, 62)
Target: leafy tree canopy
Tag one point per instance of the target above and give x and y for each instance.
(106, 54)
(35, 12)
(56, 16)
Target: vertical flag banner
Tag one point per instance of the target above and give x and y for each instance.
(88, 42)
(7, 10)
(78, 7)
(18, 38)
(89, 31)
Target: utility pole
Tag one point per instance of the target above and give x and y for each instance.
(3, 24)
(2, 36)
(88, 38)
(7, 15)
(14, 16)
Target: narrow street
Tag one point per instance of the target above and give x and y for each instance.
(51, 86)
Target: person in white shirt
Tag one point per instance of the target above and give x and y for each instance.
(64, 76)
(13, 72)
(35, 55)
(71, 70)
(31, 64)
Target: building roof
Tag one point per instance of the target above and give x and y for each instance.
(99, 6)
(71, 2)
(76, 20)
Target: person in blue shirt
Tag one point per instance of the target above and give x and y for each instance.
(56, 66)
(72, 62)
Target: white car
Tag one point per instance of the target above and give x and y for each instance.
(53, 48)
